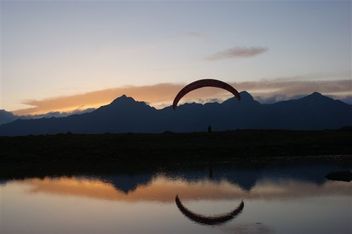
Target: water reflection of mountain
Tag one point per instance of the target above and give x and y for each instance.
(3, 181)
(244, 177)
(127, 183)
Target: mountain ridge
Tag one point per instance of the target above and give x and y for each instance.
(124, 114)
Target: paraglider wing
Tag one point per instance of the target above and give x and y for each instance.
(208, 220)
(204, 83)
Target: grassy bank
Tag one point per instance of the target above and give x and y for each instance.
(71, 153)
(241, 144)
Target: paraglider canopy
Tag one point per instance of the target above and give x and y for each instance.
(204, 83)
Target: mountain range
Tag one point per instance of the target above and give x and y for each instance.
(125, 115)
(7, 117)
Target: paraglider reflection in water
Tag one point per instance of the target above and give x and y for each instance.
(208, 220)
(204, 83)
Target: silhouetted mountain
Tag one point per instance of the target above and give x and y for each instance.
(124, 114)
(6, 117)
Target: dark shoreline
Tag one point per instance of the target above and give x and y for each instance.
(78, 153)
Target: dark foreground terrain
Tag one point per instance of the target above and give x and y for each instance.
(92, 153)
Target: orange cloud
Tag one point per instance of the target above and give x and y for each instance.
(157, 95)
(160, 95)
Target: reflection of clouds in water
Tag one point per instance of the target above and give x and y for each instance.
(248, 228)
(163, 189)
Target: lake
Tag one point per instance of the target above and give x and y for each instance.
(277, 199)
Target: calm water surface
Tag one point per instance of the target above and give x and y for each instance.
(276, 200)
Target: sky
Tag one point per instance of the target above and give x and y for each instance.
(67, 55)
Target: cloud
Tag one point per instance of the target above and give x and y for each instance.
(269, 91)
(161, 95)
(58, 114)
(154, 94)
(237, 52)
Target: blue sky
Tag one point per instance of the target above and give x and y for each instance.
(54, 49)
